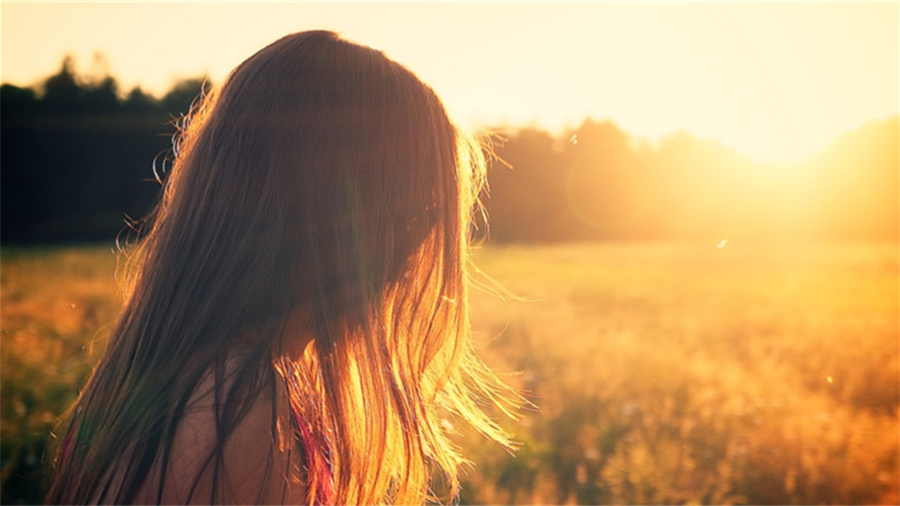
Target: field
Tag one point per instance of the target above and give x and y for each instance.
(661, 373)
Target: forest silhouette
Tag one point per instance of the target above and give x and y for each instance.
(80, 160)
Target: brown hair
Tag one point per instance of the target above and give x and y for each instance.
(321, 176)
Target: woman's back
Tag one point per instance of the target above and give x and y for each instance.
(254, 471)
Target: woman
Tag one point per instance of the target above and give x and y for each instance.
(298, 327)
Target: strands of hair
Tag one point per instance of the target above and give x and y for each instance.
(307, 266)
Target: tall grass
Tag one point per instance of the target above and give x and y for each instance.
(662, 373)
(56, 306)
(672, 373)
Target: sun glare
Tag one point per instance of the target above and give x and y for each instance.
(777, 81)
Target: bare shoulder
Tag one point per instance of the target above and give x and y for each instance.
(260, 462)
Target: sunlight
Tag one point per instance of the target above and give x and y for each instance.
(776, 81)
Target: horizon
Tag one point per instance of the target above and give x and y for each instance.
(558, 134)
(742, 75)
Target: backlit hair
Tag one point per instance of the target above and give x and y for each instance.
(321, 176)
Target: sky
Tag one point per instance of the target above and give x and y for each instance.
(777, 81)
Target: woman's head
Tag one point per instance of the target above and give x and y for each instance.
(325, 180)
(325, 164)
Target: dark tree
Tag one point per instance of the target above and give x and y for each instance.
(62, 95)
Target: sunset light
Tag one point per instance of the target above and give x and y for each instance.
(776, 81)
(671, 228)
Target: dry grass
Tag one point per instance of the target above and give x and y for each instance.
(56, 303)
(663, 373)
(672, 373)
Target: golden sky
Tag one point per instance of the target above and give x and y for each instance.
(775, 80)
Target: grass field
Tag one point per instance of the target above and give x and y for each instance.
(662, 373)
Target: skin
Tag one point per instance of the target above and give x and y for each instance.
(246, 454)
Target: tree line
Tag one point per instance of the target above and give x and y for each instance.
(77, 156)
(77, 161)
(597, 182)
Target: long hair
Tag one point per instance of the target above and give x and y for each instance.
(321, 176)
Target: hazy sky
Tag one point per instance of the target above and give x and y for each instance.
(775, 80)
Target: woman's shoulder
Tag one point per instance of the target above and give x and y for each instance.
(259, 461)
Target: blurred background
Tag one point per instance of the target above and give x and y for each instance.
(694, 205)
